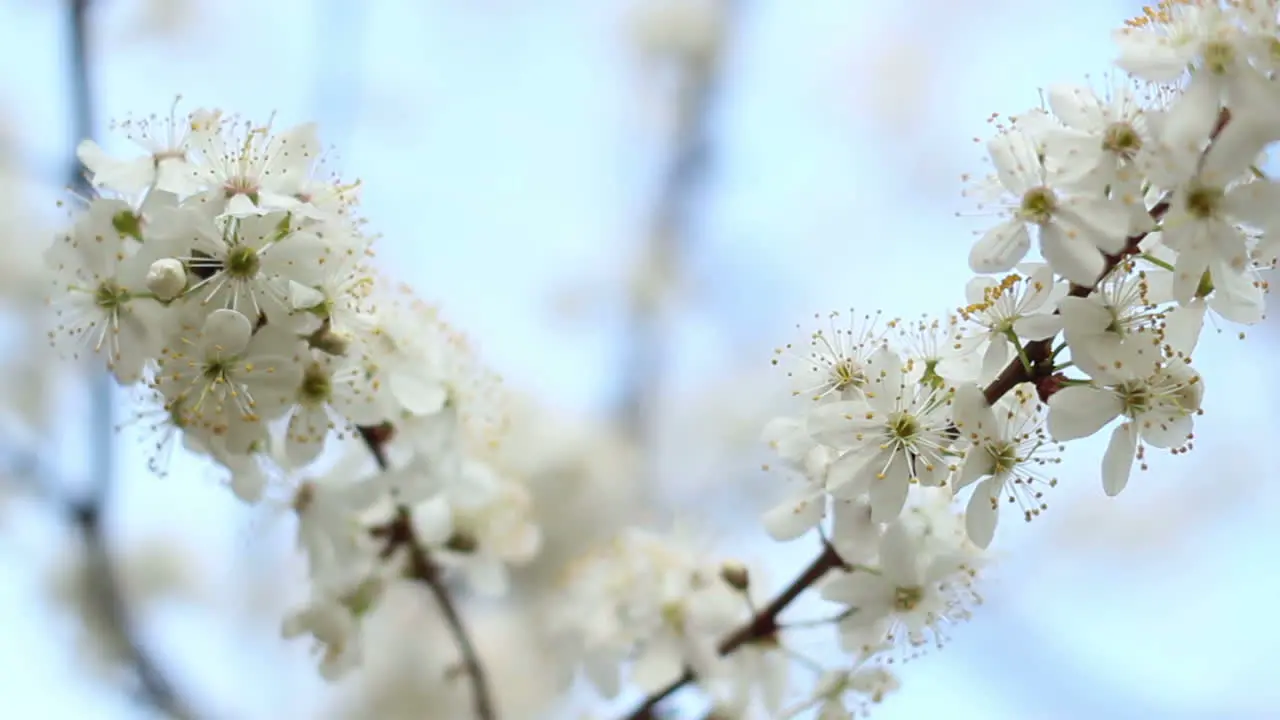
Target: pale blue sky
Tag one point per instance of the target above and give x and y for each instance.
(503, 148)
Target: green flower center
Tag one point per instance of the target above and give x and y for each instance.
(215, 371)
(363, 597)
(1203, 202)
(846, 374)
(127, 224)
(904, 426)
(1205, 287)
(241, 186)
(1135, 397)
(931, 378)
(317, 385)
(243, 262)
(110, 296)
(1038, 205)
(1120, 138)
(905, 599)
(1005, 456)
(1219, 56)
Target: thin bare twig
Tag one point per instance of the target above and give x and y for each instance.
(668, 234)
(399, 535)
(762, 626)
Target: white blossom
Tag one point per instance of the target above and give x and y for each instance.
(1158, 404)
(1074, 229)
(908, 598)
(1007, 312)
(1008, 448)
(896, 436)
(831, 363)
(226, 278)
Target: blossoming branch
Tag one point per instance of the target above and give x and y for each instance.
(225, 276)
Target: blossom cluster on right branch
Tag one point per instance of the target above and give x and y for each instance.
(1121, 217)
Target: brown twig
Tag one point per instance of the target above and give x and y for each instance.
(399, 535)
(155, 689)
(765, 623)
(1038, 352)
(1037, 368)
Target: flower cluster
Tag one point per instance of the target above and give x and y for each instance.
(225, 276)
(1123, 215)
(660, 604)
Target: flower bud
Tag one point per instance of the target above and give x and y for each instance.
(463, 543)
(364, 597)
(167, 279)
(327, 341)
(736, 574)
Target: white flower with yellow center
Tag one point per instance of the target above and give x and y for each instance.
(101, 304)
(1005, 313)
(908, 597)
(227, 381)
(830, 364)
(897, 435)
(1008, 452)
(1074, 228)
(1157, 402)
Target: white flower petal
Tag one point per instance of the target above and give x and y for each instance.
(794, 517)
(1037, 327)
(1080, 411)
(997, 356)
(1077, 107)
(602, 672)
(658, 664)
(433, 520)
(982, 512)
(888, 496)
(1000, 248)
(1183, 325)
(1166, 429)
(227, 330)
(1071, 255)
(976, 289)
(419, 393)
(1117, 462)
(971, 412)
(899, 560)
(977, 463)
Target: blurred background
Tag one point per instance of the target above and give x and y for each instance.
(626, 246)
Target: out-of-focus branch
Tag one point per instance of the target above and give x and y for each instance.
(762, 626)
(87, 514)
(399, 535)
(668, 233)
(154, 689)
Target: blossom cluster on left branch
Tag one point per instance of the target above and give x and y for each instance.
(224, 275)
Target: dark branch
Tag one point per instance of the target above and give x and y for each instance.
(762, 626)
(668, 232)
(155, 689)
